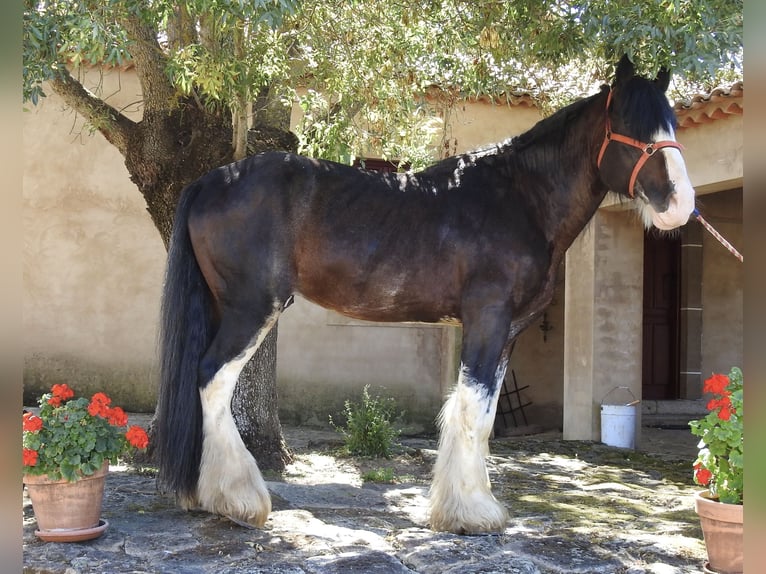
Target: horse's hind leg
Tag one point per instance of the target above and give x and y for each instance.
(230, 482)
(461, 498)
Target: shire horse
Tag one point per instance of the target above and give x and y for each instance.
(474, 239)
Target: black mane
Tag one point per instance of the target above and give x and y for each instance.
(546, 133)
(553, 125)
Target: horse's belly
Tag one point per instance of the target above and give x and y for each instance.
(383, 296)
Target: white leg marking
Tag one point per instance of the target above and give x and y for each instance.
(461, 498)
(230, 482)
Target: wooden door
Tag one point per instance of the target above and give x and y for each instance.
(662, 258)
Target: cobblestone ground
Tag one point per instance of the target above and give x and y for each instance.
(575, 507)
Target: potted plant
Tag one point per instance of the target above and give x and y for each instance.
(719, 467)
(67, 449)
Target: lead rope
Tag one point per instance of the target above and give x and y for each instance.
(717, 235)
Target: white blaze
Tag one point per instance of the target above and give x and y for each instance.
(681, 202)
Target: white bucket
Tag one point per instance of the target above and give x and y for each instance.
(618, 425)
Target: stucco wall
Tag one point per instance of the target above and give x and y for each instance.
(722, 283)
(324, 358)
(92, 260)
(604, 312)
(713, 154)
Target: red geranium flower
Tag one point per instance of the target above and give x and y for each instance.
(60, 393)
(717, 384)
(702, 475)
(32, 423)
(99, 405)
(29, 457)
(723, 402)
(117, 417)
(725, 413)
(101, 398)
(137, 437)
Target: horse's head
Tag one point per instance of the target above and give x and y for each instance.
(639, 156)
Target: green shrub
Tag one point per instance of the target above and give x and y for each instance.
(369, 430)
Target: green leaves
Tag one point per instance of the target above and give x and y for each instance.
(76, 436)
(722, 438)
(387, 73)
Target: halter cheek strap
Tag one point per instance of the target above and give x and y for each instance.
(647, 149)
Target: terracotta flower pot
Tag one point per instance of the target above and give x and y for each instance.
(723, 532)
(68, 511)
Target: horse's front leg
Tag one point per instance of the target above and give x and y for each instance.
(461, 498)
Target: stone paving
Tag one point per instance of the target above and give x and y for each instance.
(575, 506)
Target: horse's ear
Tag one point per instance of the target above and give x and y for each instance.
(625, 70)
(663, 79)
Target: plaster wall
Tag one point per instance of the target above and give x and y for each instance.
(604, 317)
(579, 313)
(474, 124)
(324, 358)
(92, 260)
(722, 285)
(713, 154)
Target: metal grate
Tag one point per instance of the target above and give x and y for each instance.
(505, 403)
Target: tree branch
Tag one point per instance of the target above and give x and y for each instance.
(150, 62)
(181, 28)
(239, 110)
(113, 125)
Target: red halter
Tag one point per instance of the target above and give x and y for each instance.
(647, 148)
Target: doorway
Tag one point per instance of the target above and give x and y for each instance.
(662, 265)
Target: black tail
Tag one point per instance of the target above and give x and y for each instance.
(185, 333)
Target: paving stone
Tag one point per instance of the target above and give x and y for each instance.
(575, 507)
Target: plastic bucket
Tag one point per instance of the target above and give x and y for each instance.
(618, 423)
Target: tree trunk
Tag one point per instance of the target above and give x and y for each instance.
(178, 140)
(254, 407)
(204, 142)
(165, 152)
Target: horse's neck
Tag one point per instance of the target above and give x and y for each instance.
(574, 191)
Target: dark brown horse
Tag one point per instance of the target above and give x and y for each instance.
(474, 239)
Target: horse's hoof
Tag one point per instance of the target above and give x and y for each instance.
(469, 530)
(244, 524)
(490, 532)
(484, 516)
